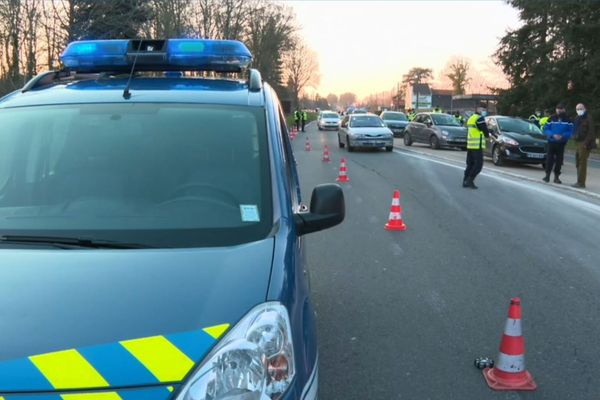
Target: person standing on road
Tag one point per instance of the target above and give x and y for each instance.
(476, 138)
(585, 138)
(558, 131)
(535, 118)
(297, 119)
(304, 118)
(545, 119)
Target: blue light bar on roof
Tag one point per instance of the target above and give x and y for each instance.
(157, 55)
(92, 53)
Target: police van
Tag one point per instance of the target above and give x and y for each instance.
(151, 230)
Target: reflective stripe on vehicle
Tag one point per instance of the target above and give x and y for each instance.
(156, 393)
(135, 362)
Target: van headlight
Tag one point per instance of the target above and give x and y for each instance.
(254, 361)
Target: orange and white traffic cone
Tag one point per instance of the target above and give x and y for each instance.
(307, 146)
(395, 222)
(326, 154)
(343, 176)
(509, 373)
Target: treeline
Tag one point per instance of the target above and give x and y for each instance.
(553, 57)
(34, 32)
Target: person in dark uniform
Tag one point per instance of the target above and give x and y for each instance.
(476, 140)
(558, 130)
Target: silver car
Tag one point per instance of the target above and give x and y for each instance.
(437, 130)
(328, 120)
(364, 130)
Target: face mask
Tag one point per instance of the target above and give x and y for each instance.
(484, 113)
(580, 112)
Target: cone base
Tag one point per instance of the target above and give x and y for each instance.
(524, 381)
(343, 179)
(395, 226)
(324, 160)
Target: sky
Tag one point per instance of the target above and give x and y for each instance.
(366, 46)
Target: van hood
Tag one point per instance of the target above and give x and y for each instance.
(112, 319)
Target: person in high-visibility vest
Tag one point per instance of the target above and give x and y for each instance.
(297, 119)
(545, 119)
(476, 137)
(304, 118)
(535, 118)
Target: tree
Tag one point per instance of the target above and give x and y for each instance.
(347, 99)
(332, 99)
(302, 69)
(170, 19)
(417, 75)
(554, 56)
(108, 19)
(457, 71)
(269, 34)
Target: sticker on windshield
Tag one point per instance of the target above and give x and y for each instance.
(249, 213)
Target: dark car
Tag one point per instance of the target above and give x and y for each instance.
(396, 121)
(437, 130)
(516, 140)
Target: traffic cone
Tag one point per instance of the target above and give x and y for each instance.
(395, 222)
(307, 146)
(343, 176)
(510, 372)
(326, 154)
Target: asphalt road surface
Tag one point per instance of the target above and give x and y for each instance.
(402, 315)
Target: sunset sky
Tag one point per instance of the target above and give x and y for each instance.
(366, 46)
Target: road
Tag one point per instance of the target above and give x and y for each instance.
(402, 315)
(533, 173)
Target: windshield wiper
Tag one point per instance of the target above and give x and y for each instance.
(70, 242)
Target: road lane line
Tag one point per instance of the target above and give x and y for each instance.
(522, 182)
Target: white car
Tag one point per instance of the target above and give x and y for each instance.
(364, 130)
(328, 120)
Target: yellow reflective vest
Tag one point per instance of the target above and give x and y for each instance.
(475, 136)
(544, 121)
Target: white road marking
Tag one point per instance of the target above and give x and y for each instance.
(523, 183)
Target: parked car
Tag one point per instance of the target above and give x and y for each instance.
(396, 121)
(364, 130)
(516, 140)
(328, 120)
(437, 130)
(152, 231)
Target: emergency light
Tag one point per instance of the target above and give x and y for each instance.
(91, 56)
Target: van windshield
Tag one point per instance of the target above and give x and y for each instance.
(163, 175)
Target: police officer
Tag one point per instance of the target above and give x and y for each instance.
(545, 119)
(558, 131)
(476, 138)
(535, 118)
(304, 118)
(297, 119)
(459, 118)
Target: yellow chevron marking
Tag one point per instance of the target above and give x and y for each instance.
(216, 331)
(92, 396)
(68, 370)
(161, 357)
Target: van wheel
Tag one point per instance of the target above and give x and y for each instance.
(389, 148)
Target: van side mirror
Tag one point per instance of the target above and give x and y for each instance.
(327, 209)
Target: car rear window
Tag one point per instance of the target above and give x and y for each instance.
(171, 175)
(366, 121)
